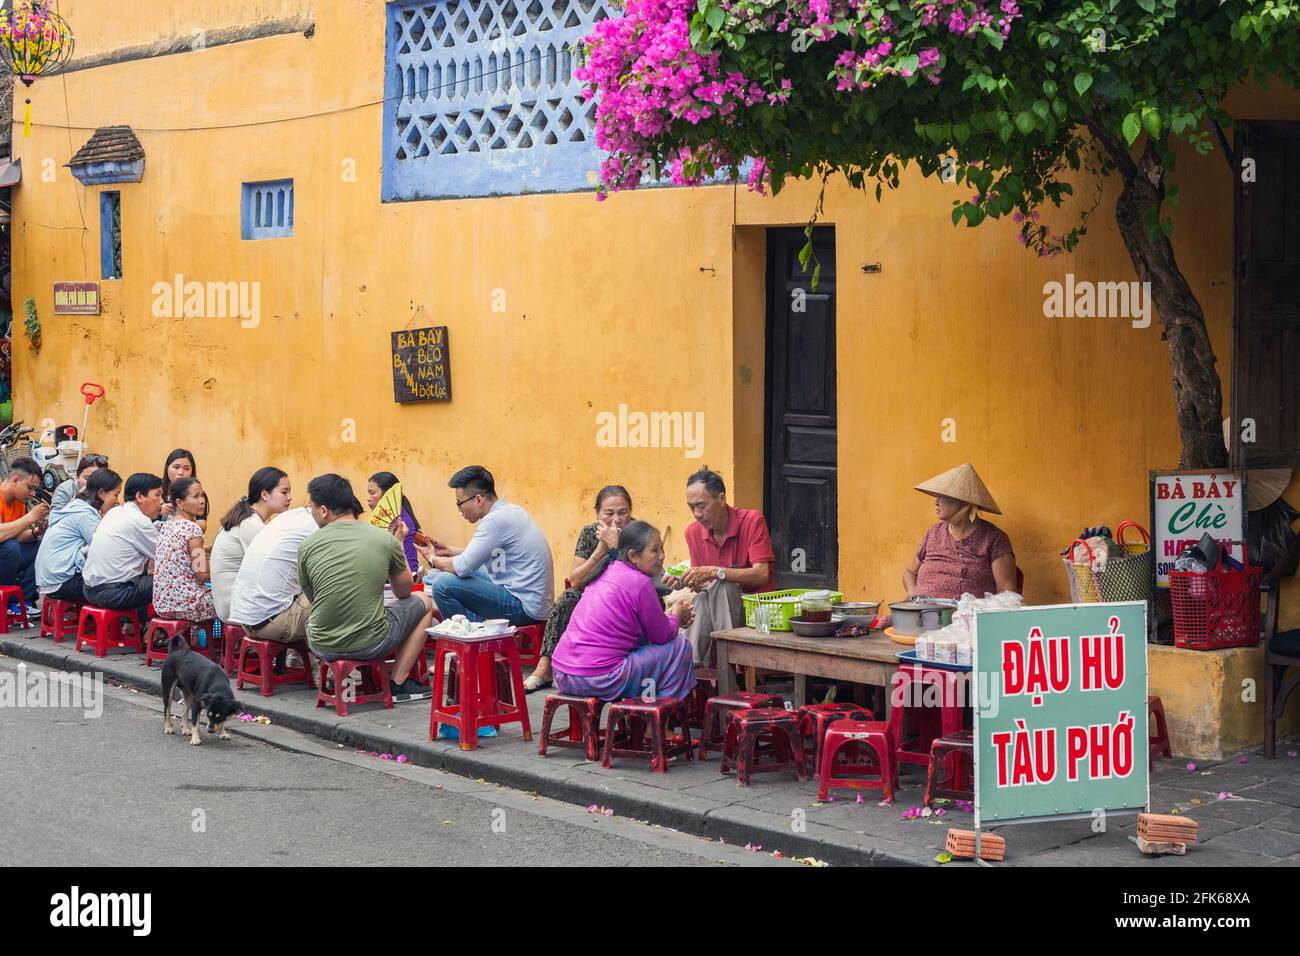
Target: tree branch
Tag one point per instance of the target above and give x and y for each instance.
(1218, 134)
(1123, 161)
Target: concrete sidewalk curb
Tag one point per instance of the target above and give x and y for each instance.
(688, 814)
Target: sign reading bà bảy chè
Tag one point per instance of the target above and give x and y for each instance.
(1061, 711)
(421, 365)
(1186, 505)
(76, 298)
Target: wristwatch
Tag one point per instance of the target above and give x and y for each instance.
(722, 574)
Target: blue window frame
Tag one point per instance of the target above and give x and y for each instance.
(110, 235)
(267, 210)
(480, 98)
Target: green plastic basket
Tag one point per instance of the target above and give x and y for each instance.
(782, 611)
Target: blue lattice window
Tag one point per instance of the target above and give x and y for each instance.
(267, 210)
(480, 98)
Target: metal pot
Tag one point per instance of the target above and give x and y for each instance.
(916, 617)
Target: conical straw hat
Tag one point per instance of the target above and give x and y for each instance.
(963, 484)
(1265, 485)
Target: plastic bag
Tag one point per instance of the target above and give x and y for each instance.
(1269, 535)
(1199, 557)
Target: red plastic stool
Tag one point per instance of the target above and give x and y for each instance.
(11, 592)
(231, 637)
(529, 638)
(706, 686)
(163, 629)
(814, 719)
(504, 681)
(853, 739)
(712, 727)
(480, 703)
(912, 684)
(1157, 743)
(375, 677)
(104, 629)
(268, 669)
(957, 779)
(59, 619)
(756, 733)
(583, 732)
(628, 721)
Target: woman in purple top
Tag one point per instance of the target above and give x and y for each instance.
(620, 642)
(380, 482)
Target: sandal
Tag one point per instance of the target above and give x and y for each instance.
(533, 683)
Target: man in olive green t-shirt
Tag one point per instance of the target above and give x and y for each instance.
(343, 568)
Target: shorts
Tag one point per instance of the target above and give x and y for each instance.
(403, 617)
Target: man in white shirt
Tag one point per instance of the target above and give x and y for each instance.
(266, 599)
(122, 547)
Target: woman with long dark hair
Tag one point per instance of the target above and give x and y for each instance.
(180, 464)
(178, 577)
(379, 483)
(596, 547)
(268, 495)
(620, 642)
(64, 545)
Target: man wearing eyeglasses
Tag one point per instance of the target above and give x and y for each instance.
(69, 489)
(505, 571)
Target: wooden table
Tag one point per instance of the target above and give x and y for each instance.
(863, 660)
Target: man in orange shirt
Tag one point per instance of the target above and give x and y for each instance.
(20, 529)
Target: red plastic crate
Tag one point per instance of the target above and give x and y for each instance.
(1217, 609)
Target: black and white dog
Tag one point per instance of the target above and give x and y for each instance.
(203, 684)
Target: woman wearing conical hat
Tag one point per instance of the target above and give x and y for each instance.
(962, 553)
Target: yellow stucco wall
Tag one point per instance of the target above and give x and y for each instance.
(654, 299)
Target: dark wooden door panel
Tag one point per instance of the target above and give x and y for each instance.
(800, 482)
(1266, 336)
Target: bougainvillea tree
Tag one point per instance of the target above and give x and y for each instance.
(1018, 99)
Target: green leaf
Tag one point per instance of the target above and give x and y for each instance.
(715, 18)
(1148, 5)
(1025, 123)
(1040, 109)
(957, 213)
(994, 38)
(805, 254)
(697, 33)
(943, 858)
(1132, 127)
(961, 132)
(1049, 88)
(1082, 81)
(1151, 122)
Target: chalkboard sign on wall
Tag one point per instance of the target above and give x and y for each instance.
(421, 365)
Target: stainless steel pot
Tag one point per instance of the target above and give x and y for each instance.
(916, 617)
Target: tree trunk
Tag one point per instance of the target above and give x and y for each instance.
(1198, 392)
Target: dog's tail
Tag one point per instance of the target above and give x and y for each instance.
(178, 644)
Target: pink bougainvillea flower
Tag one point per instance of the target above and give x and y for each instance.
(1243, 759)
(401, 758)
(860, 800)
(1191, 766)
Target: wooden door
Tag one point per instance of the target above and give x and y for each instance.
(800, 486)
(1266, 336)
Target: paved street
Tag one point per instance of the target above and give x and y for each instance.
(113, 790)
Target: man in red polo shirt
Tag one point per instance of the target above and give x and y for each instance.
(731, 554)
